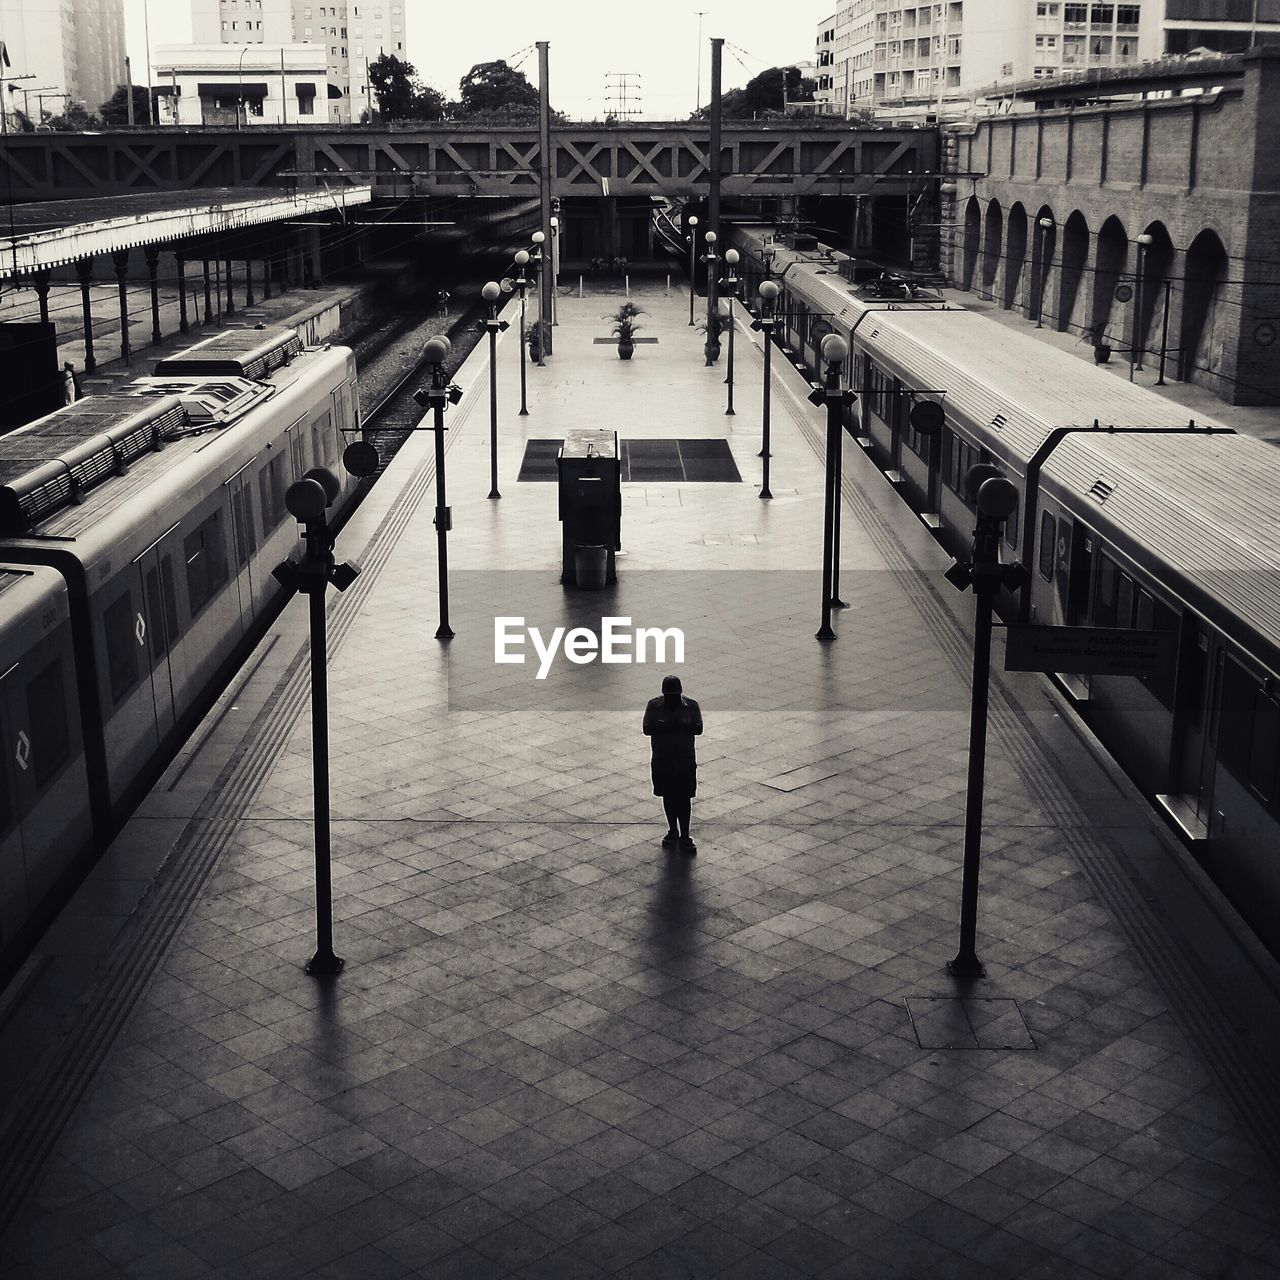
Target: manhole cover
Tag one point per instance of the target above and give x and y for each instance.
(647, 461)
(964, 1022)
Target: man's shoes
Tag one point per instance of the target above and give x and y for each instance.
(672, 837)
(687, 845)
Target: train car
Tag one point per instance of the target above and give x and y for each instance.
(43, 776)
(1177, 533)
(161, 508)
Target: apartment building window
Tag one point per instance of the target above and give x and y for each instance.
(1046, 42)
(953, 46)
(359, 51)
(1075, 13)
(1046, 11)
(1127, 15)
(1041, 72)
(306, 15)
(1072, 50)
(306, 32)
(1100, 47)
(1125, 50)
(1102, 15)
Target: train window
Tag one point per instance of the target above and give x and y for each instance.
(298, 445)
(122, 646)
(206, 555)
(47, 716)
(1235, 716)
(271, 493)
(1048, 539)
(1104, 600)
(241, 526)
(879, 391)
(1191, 673)
(322, 440)
(169, 596)
(156, 632)
(1011, 528)
(1264, 745)
(1159, 617)
(1124, 600)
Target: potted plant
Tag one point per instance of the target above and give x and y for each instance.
(624, 328)
(533, 334)
(713, 326)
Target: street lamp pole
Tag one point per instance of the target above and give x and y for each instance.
(1144, 242)
(555, 266)
(493, 326)
(538, 239)
(240, 76)
(768, 296)
(713, 311)
(522, 283)
(730, 283)
(693, 269)
(434, 398)
(1042, 230)
(835, 351)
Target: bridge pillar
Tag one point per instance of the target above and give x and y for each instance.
(231, 301)
(84, 270)
(266, 270)
(120, 260)
(248, 278)
(41, 281)
(208, 294)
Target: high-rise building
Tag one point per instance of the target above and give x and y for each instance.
(70, 49)
(353, 35)
(914, 59)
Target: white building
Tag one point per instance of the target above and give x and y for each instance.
(916, 59)
(69, 48)
(253, 84)
(351, 35)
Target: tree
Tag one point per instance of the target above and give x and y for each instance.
(493, 88)
(401, 95)
(767, 92)
(74, 119)
(115, 111)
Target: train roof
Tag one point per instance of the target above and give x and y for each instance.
(1007, 384)
(1201, 506)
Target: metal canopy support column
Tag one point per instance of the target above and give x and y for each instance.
(208, 295)
(41, 281)
(248, 280)
(266, 266)
(231, 301)
(713, 194)
(547, 281)
(180, 263)
(120, 260)
(84, 269)
(152, 254)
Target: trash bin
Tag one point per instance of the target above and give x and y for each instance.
(590, 567)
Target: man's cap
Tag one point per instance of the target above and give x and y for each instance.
(671, 684)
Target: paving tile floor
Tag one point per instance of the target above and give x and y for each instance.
(560, 1051)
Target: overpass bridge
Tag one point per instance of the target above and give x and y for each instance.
(634, 159)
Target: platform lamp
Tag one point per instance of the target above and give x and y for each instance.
(555, 265)
(713, 315)
(1043, 227)
(693, 270)
(1143, 242)
(521, 283)
(835, 351)
(764, 323)
(536, 259)
(730, 286)
(493, 326)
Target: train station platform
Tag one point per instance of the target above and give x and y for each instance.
(559, 1050)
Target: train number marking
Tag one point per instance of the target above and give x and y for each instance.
(140, 629)
(23, 754)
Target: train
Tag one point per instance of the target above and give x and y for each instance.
(1132, 513)
(138, 531)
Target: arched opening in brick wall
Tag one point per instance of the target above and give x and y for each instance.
(992, 241)
(971, 243)
(1155, 265)
(1106, 316)
(1015, 257)
(1075, 256)
(1207, 265)
(1044, 243)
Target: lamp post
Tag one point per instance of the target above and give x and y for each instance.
(1042, 229)
(307, 500)
(493, 326)
(765, 323)
(522, 283)
(1143, 242)
(555, 265)
(434, 398)
(835, 351)
(693, 270)
(713, 314)
(536, 259)
(995, 499)
(240, 76)
(730, 283)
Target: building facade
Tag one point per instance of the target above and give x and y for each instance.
(253, 84)
(932, 59)
(70, 49)
(351, 35)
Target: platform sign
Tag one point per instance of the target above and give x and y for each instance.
(1099, 651)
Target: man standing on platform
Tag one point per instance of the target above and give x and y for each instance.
(672, 722)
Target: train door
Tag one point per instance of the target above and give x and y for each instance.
(244, 537)
(1197, 694)
(1062, 567)
(15, 764)
(895, 424)
(1079, 573)
(160, 628)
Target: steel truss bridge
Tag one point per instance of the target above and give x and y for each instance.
(775, 159)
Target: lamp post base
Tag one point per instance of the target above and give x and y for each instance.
(966, 965)
(824, 633)
(764, 493)
(444, 632)
(324, 964)
(493, 493)
(836, 603)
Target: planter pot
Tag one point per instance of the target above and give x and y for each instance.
(1101, 353)
(625, 350)
(712, 352)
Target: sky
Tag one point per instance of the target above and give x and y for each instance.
(654, 41)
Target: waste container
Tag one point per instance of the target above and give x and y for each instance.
(590, 507)
(590, 567)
